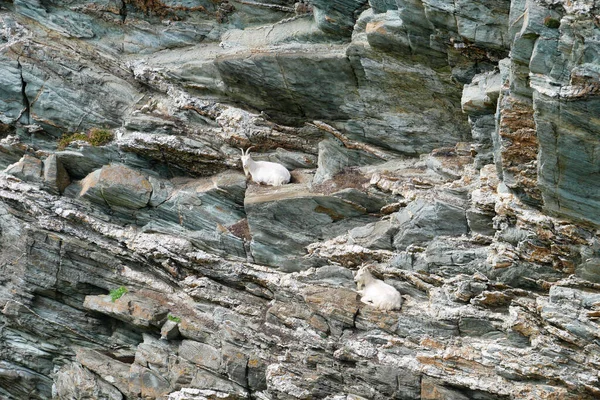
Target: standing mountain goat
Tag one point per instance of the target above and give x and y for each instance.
(265, 172)
(376, 292)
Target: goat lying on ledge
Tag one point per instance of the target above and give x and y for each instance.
(376, 292)
(265, 172)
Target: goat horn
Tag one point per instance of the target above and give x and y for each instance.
(241, 150)
(248, 149)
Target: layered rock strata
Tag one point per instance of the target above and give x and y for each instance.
(452, 145)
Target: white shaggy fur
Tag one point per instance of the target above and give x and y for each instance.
(376, 292)
(265, 172)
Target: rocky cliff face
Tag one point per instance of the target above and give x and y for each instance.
(452, 144)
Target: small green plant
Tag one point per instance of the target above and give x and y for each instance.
(173, 318)
(116, 294)
(95, 137)
(99, 137)
(68, 139)
(551, 23)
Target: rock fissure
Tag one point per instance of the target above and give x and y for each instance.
(25, 114)
(123, 11)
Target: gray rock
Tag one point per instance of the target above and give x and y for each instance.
(482, 129)
(292, 160)
(131, 308)
(56, 177)
(289, 75)
(75, 382)
(103, 365)
(334, 158)
(28, 168)
(336, 17)
(380, 6)
(480, 221)
(117, 186)
(169, 330)
(201, 210)
(567, 146)
(333, 275)
(147, 383)
(487, 313)
(481, 95)
(235, 363)
(12, 104)
(372, 201)
(284, 220)
(61, 101)
(421, 221)
(589, 270)
(201, 354)
(378, 235)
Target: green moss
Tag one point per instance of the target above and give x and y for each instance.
(174, 318)
(551, 23)
(95, 137)
(99, 137)
(116, 294)
(68, 139)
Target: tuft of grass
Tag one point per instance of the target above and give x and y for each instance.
(173, 318)
(95, 137)
(68, 139)
(99, 137)
(116, 294)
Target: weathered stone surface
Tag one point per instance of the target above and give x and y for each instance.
(334, 158)
(481, 95)
(516, 144)
(376, 235)
(201, 354)
(568, 173)
(169, 330)
(131, 308)
(285, 220)
(28, 168)
(117, 186)
(76, 382)
(247, 75)
(421, 221)
(500, 298)
(56, 176)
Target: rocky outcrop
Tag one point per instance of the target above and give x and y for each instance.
(451, 145)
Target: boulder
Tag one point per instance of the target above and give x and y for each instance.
(132, 308)
(422, 221)
(56, 177)
(116, 185)
(73, 381)
(28, 168)
(481, 95)
(334, 158)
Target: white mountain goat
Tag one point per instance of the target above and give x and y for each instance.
(376, 292)
(265, 172)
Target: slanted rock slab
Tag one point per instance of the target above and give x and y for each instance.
(135, 309)
(117, 185)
